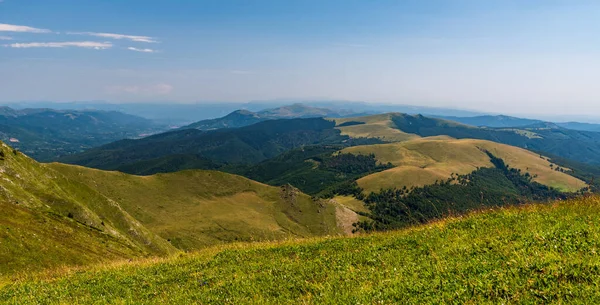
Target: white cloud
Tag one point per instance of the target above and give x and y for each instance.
(142, 50)
(156, 89)
(118, 36)
(78, 44)
(21, 28)
(5, 38)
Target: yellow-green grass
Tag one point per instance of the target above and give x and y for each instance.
(423, 161)
(58, 215)
(375, 126)
(516, 255)
(32, 241)
(194, 209)
(48, 220)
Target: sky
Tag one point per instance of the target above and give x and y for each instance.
(536, 56)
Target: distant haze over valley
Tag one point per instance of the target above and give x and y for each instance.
(185, 113)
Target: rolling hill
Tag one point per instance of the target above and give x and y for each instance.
(49, 220)
(427, 160)
(47, 134)
(375, 126)
(62, 215)
(272, 152)
(547, 138)
(194, 209)
(216, 149)
(543, 253)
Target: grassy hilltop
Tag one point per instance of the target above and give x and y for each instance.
(548, 138)
(194, 209)
(50, 220)
(526, 254)
(57, 215)
(423, 161)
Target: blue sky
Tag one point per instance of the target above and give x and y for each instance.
(503, 56)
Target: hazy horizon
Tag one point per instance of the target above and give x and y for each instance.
(258, 105)
(533, 59)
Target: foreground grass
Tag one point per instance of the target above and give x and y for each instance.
(529, 254)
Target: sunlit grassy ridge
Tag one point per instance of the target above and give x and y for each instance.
(526, 254)
(375, 126)
(423, 161)
(59, 215)
(383, 127)
(50, 220)
(194, 209)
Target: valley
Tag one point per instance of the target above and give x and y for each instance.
(46, 134)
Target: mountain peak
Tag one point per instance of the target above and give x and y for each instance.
(243, 117)
(241, 112)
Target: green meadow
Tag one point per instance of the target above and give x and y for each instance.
(540, 253)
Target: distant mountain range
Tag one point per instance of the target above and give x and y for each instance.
(509, 121)
(172, 113)
(241, 118)
(46, 133)
(249, 145)
(182, 114)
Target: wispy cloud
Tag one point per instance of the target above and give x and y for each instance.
(118, 36)
(5, 38)
(142, 50)
(78, 44)
(156, 89)
(21, 29)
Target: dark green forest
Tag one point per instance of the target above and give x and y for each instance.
(315, 170)
(235, 146)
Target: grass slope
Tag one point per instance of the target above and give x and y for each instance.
(49, 220)
(32, 241)
(423, 161)
(195, 209)
(550, 138)
(528, 254)
(375, 126)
